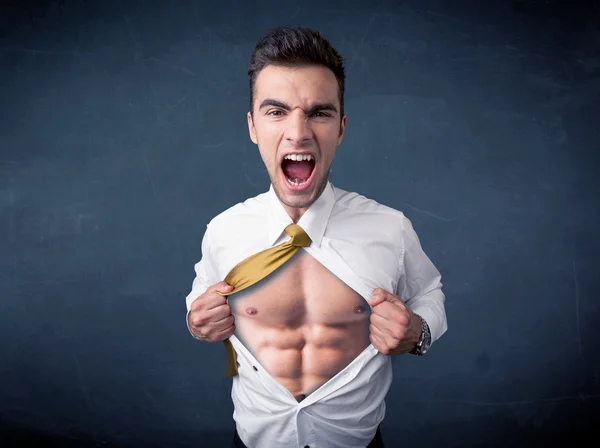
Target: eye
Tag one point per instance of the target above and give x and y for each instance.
(320, 115)
(275, 113)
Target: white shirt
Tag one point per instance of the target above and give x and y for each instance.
(367, 245)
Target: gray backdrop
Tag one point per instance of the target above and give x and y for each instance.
(123, 132)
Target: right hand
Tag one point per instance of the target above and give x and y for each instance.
(210, 317)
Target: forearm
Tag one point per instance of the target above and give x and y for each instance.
(188, 302)
(204, 277)
(431, 307)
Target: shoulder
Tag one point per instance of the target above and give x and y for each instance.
(373, 215)
(252, 211)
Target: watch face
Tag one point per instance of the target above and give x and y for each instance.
(425, 340)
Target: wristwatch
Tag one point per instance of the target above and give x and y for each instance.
(424, 341)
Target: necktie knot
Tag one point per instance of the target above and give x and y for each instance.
(299, 237)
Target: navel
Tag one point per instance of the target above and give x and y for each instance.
(359, 309)
(251, 310)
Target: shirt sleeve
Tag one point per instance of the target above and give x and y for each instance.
(420, 285)
(205, 275)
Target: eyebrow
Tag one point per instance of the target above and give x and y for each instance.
(315, 108)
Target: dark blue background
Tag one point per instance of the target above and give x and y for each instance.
(123, 132)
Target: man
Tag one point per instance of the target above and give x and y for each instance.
(313, 339)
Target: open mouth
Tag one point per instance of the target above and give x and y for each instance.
(298, 169)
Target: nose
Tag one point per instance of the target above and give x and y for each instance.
(298, 130)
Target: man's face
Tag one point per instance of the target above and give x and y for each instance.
(297, 114)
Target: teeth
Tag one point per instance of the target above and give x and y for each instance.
(299, 157)
(294, 183)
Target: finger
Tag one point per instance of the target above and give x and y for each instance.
(221, 335)
(219, 313)
(378, 344)
(226, 322)
(378, 333)
(211, 297)
(393, 331)
(387, 310)
(374, 301)
(215, 330)
(392, 313)
(223, 287)
(213, 335)
(399, 303)
(208, 301)
(203, 318)
(391, 298)
(381, 295)
(381, 323)
(213, 315)
(377, 297)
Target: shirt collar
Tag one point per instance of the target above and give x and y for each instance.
(313, 221)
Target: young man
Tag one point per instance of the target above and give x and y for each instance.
(310, 341)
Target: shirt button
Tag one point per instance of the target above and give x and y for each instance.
(254, 367)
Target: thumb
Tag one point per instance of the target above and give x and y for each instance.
(224, 289)
(379, 296)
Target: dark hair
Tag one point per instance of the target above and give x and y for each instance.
(294, 47)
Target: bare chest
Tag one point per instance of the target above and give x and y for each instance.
(302, 292)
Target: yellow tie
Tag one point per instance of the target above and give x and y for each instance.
(255, 268)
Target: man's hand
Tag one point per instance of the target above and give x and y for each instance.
(395, 329)
(210, 317)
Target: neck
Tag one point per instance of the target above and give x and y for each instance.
(294, 213)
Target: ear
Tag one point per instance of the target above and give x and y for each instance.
(342, 130)
(251, 129)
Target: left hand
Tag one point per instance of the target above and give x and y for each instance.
(395, 329)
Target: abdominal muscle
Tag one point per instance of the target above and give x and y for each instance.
(302, 323)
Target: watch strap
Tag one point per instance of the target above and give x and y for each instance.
(424, 341)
